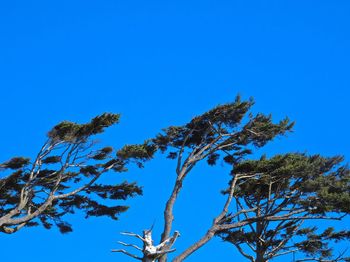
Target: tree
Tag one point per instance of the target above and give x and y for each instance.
(268, 201)
(64, 175)
(286, 192)
(229, 132)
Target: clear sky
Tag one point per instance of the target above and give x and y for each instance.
(160, 63)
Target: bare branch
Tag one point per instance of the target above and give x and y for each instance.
(216, 225)
(240, 249)
(133, 235)
(127, 253)
(74, 192)
(129, 245)
(150, 252)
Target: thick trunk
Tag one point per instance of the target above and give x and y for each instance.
(168, 215)
(260, 257)
(260, 249)
(146, 259)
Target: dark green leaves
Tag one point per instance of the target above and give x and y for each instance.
(62, 178)
(137, 153)
(51, 160)
(69, 131)
(15, 163)
(89, 170)
(225, 132)
(102, 153)
(260, 129)
(285, 190)
(212, 158)
(143, 151)
(120, 191)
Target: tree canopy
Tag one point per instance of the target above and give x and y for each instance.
(267, 201)
(270, 203)
(286, 192)
(229, 131)
(63, 178)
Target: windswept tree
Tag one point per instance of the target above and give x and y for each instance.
(228, 132)
(63, 178)
(286, 196)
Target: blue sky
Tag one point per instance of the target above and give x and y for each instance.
(160, 63)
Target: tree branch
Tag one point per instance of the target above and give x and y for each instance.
(127, 253)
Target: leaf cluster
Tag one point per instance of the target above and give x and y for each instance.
(285, 191)
(226, 131)
(62, 178)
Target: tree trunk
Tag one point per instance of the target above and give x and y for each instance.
(260, 256)
(147, 259)
(260, 250)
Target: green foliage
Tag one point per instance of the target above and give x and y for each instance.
(143, 151)
(67, 169)
(314, 182)
(15, 163)
(318, 243)
(138, 153)
(70, 132)
(228, 131)
(51, 160)
(295, 187)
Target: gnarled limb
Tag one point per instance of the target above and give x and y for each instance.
(150, 252)
(126, 253)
